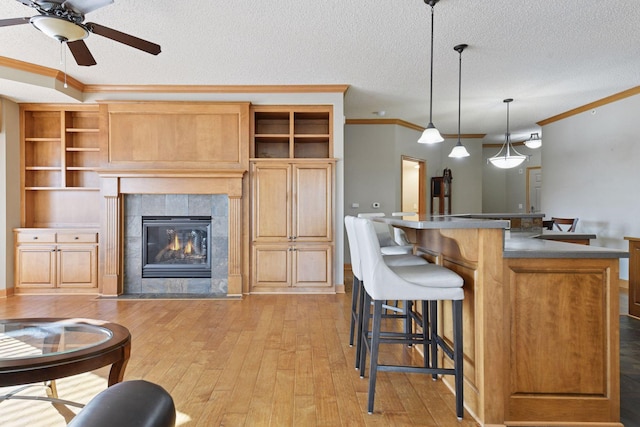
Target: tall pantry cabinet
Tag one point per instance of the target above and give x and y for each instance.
(292, 199)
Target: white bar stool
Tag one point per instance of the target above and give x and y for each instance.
(357, 293)
(427, 282)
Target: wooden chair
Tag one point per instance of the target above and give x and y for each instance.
(548, 224)
(570, 222)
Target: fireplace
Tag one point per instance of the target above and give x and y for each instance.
(176, 246)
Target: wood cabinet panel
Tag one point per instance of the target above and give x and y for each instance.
(312, 208)
(634, 276)
(177, 135)
(77, 266)
(312, 266)
(271, 198)
(36, 266)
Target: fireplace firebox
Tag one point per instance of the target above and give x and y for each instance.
(176, 246)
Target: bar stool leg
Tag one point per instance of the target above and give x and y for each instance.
(433, 328)
(373, 358)
(365, 315)
(361, 303)
(458, 357)
(354, 308)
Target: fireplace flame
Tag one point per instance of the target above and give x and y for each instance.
(188, 248)
(175, 245)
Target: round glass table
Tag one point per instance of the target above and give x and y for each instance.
(37, 350)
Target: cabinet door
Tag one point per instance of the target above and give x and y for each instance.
(36, 266)
(271, 198)
(312, 266)
(312, 210)
(77, 266)
(271, 266)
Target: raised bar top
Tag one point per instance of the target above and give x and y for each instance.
(424, 222)
(500, 215)
(515, 245)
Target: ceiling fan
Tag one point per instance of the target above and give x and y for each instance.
(63, 20)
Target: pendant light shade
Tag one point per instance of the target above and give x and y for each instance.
(431, 135)
(534, 142)
(459, 150)
(508, 157)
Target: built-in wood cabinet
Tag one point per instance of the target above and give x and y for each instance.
(57, 246)
(292, 199)
(60, 260)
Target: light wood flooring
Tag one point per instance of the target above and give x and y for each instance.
(268, 360)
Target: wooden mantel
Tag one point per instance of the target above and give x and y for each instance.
(116, 183)
(173, 148)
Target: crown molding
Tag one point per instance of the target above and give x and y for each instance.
(409, 125)
(599, 103)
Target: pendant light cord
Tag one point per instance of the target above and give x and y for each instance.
(431, 73)
(459, 90)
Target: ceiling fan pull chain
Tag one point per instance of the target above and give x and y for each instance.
(63, 61)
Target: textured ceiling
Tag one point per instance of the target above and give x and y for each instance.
(550, 56)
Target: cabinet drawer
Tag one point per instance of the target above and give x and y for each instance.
(77, 237)
(42, 237)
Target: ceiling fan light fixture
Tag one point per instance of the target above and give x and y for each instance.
(58, 28)
(505, 159)
(534, 142)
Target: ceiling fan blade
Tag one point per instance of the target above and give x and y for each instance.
(123, 38)
(14, 21)
(81, 53)
(86, 6)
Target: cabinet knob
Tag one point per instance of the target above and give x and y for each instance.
(76, 238)
(35, 237)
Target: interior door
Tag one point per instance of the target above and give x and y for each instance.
(534, 189)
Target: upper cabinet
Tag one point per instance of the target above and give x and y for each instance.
(60, 152)
(175, 135)
(292, 132)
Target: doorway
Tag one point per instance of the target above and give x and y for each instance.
(413, 189)
(534, 189)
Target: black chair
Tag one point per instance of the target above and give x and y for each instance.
(136, 403)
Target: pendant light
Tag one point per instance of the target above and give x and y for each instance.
(508, 157)
(534, 142)
(459, 150)
(431, 135)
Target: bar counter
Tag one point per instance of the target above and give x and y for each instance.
(541, 322)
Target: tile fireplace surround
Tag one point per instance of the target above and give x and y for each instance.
(138, 205)
(191, 188)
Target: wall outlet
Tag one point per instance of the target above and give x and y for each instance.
(375, 205)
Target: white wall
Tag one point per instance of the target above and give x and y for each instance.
(591, 171)
(504, 190)
(9, 188)
(373, 164)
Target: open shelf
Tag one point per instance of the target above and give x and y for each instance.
(291, 132)
(61, 152)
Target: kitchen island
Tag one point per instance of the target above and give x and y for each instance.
(541, 322)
